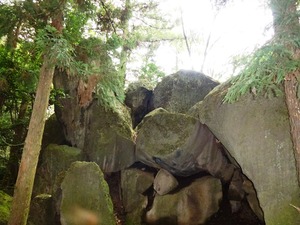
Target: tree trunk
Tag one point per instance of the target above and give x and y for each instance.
(126, 15)
(293, 104)
(286, 27)
(27, 169)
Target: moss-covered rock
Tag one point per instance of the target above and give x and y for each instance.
(54, 160)
(180, 91)
(135, 183)
(256, 132)
(192, 205)
(181, 145)
(85, 196)
(109, 138)
(5, 205)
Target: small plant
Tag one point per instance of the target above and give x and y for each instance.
(264, 70)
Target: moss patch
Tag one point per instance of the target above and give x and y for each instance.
(287, 215)
(5, 204)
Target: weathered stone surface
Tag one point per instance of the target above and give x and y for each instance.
(68, 111)
(180, 91)
(192, 205)
(102, 132)
(41, 210)
(164, 182)
(55, 159)
(135, 183)
(5, 205)
(85, 196)
(108, 140)
(138, 98)
(181, 145)
(256, 132)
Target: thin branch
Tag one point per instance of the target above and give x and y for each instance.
(107, 13)
(184, 35)
(163, 40)
(10, 145)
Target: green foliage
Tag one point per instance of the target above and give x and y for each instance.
(8, 19)
(151, 74)
(5, 206)
(264, 70)
(18, 77)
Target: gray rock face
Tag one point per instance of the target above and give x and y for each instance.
(180, 91)
(164, 182)
(256, 132)
(85, 196)
(108, 140)
(103, 133)
(192, 205)
(68, 111)
(181, 145)
(55, 159)
(138, 99)
(135, 183)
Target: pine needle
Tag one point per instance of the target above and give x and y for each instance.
(297, 208)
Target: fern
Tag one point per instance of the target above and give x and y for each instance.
(264, 70)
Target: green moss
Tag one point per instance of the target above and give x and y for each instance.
(286, 214)
(84, 187)
(5, 204)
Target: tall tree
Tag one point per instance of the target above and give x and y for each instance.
(27, 169)
(32, 147)
(287, 31)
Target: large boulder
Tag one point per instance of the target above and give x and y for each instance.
(181, 145)
(180, 91)
(55, 159)
(103, 131)
(256, 132)
(192, 205)
(109, 138)
(164, 182)
(68, 110)
(85, 196)
(135, 183)
(138, 98)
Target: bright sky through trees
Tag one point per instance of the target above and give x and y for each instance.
(234, 30)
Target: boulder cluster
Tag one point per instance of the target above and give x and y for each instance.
(162, 159)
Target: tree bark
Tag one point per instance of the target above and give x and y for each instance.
(27, 169)
(293, 104)
(287, 29)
